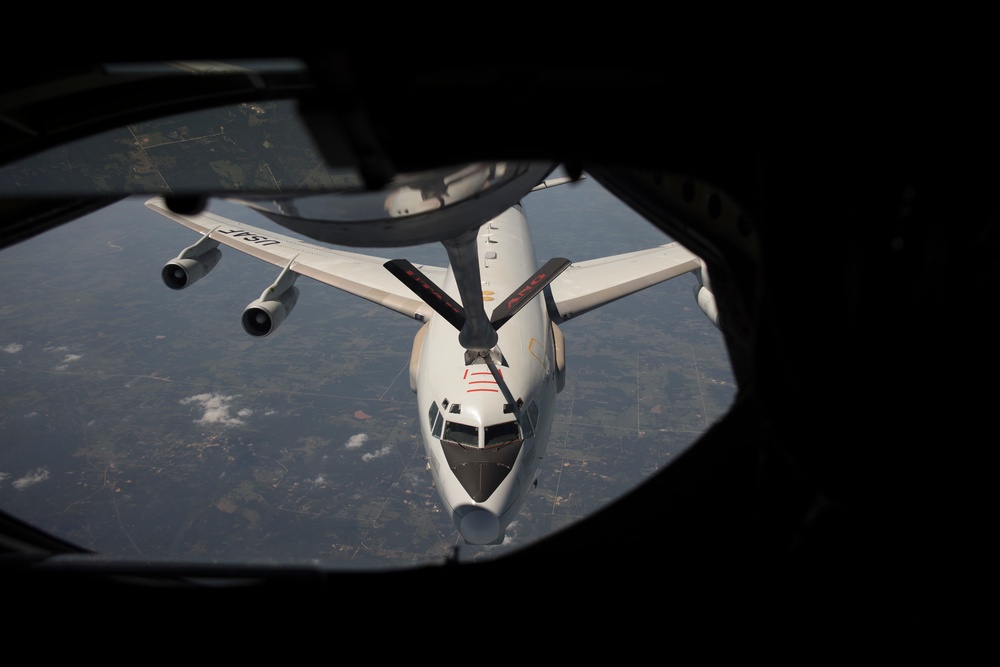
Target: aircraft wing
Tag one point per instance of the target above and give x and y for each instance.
(361, 275)
(586, 285)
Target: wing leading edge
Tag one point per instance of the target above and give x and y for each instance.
(590, 284)
(580, 288)
(357, 274)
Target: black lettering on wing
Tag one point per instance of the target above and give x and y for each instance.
(249, 237)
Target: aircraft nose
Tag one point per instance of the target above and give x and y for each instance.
(480, 527)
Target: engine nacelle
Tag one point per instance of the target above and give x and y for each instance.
(706, 301)
(185, 271)
(705, 297)
(192, 264)
(559, 350)
(418, 346)
(264, 316)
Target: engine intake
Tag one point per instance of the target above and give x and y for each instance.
(192, 264)
(262, 317)
(183, 272)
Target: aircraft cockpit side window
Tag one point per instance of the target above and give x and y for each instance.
(436, 421)
(529, 418)
(532, 413)
(507, 409)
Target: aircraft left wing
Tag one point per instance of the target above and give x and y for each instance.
(589, 284)
(361, 275)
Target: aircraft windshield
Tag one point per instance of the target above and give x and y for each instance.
(499, 434)
(493, 435)
(462, 434)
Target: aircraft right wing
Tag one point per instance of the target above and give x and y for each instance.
(361, 275)
(587, 285)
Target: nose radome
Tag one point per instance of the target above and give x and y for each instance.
(480, 527)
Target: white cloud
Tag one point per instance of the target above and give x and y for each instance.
(511, 533)
(12, 348)
(67, 360)
(34, 477)
(4, 475)
(377, 454)
(356, 441)
(217, 409)
(320, 481)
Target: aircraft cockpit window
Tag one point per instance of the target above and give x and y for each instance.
(435, 419)
(455, 408)
(501, 434)
(529, 419)
(462, 434)
(507, 409)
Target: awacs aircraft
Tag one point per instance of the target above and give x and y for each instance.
(488, 361)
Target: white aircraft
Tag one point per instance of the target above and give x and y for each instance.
(486, 396)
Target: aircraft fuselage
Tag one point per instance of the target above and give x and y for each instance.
(483, 461)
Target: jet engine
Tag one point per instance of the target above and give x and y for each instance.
(266, 314)
(192, 264)
(705, 297)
